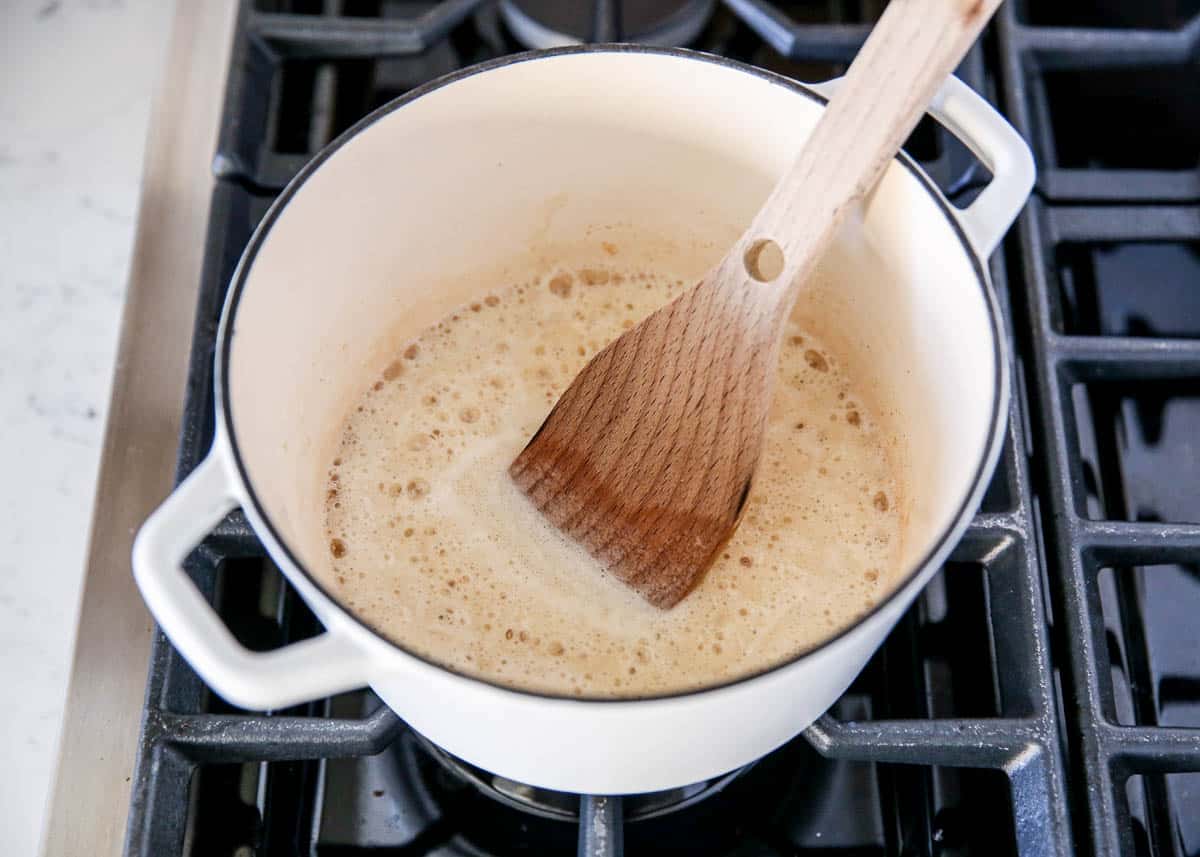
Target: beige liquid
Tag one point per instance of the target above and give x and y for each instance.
(435, 548)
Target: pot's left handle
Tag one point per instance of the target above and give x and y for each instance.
(310, 669)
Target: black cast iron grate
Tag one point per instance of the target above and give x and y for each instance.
(1110, 247)
(959, 737)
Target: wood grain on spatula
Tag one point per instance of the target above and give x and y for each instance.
(648, 457)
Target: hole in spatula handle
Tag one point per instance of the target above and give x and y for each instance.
(763, 260)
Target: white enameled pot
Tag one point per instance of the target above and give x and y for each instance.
(495, 171)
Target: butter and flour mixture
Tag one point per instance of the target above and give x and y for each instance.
(434, 547)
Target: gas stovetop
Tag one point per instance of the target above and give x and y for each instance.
(1041, 697)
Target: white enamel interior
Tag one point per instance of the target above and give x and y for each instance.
(491, 176)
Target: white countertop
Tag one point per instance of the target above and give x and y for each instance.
(78, 77)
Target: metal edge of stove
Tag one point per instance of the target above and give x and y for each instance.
(1077, 205)
(1023, 745)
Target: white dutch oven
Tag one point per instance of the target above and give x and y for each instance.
(490, 173)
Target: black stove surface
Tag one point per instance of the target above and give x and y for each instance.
(1041, 697)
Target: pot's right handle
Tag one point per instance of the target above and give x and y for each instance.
(969, 117)
(310, 669)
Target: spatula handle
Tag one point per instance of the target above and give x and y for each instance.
(907, 56)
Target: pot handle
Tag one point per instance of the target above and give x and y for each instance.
(310, 669)
(989, 136)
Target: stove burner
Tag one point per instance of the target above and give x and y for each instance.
(552, 23)
(564, 806)
(415, 796)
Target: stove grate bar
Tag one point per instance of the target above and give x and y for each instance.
(1100, 223)
(1091, 185)
(1151, 749)
(970, 743)
(601, 826)
(812, 42)
(1137, 542)
(328, 37)
(1071, 48)
(1104, 754)
(1085, 359)
(1024, 749)
(216, 738)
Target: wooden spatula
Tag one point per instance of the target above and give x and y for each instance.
(648, 456)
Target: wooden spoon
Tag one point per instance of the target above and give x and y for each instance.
(647, 458)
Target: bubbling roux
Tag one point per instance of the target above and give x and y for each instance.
(434, 547)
